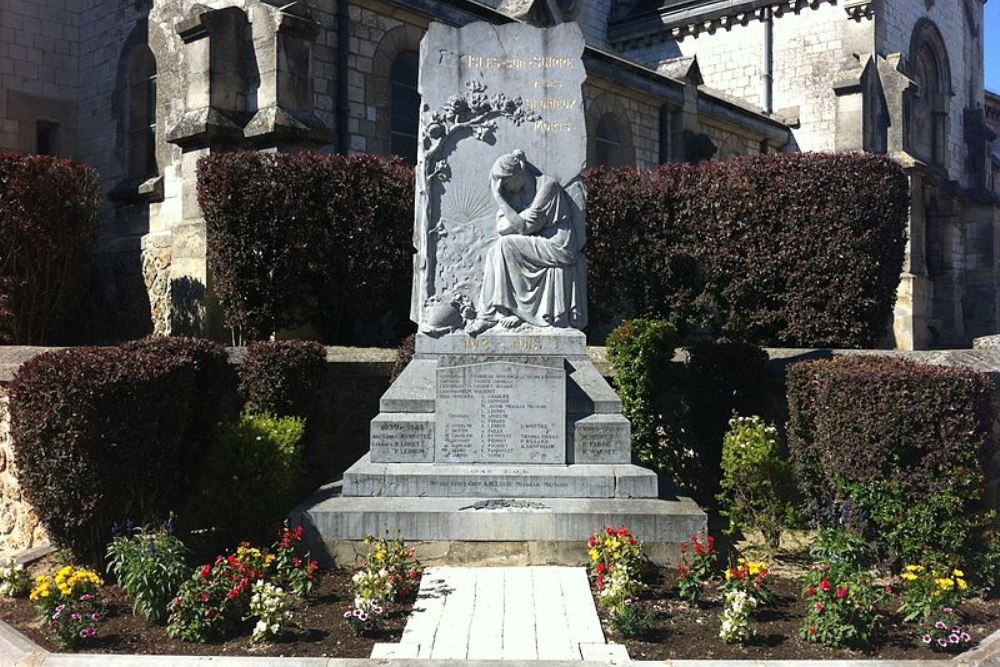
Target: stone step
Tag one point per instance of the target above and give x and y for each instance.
(528, 531)
(417, 480)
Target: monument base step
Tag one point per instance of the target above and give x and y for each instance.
(476, 530)
(420, 480)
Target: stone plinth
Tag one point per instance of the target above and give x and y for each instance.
(505, 438)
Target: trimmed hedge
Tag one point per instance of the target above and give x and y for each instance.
(310, 239)
(777, 250)
(898, 448)
(102, 435)
(48, 227)
(283, 378)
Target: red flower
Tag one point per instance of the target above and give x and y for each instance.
(204, 597)
(600, 582)
(205, 571)
(825, 585)
(601, 568)
(296, 562)
(611, 532)
(235, 593)
(842, 592)
(631, 541)
(812, 629)
(811, 591)
(711, 542)
(698, 549)
(590, 542)
(820, 607)
(623, 532)
(414, 574)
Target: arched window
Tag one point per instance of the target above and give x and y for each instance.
(608, 150)
(140, 109)
(404, 105)
(929, 103)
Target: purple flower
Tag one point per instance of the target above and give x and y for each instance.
(956, 629)
(363, 617)
(348, 614)
(947, 610)
(927, 639)
(95, 617)
(357, 613)
(77, 616)
(941, 625)
(943, 643)
(86, 633)
(953, 638)
(965, 636)
(86, 597)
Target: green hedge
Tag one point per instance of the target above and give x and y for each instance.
(778, 250)
(896, 449)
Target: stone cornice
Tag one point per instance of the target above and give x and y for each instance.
(677, 19)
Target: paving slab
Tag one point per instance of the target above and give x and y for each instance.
(513, 614)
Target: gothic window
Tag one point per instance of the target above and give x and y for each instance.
(140, 114)
(929, 103)
(404, 105)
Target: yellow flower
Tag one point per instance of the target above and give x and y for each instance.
(379, 555)
(909, 576)
(594, 555)
(958, 573)
(729, 575)
(914, 568)
(962, 585)
(268, 559)
(945, 584)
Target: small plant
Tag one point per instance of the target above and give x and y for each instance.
(757, 481)
(751, 577)
(365, 617)
(633, 619)
(737, 626)
(14, 579)
(842, 612)
(616, 561)
(298, 571)
(842, 547)
(69, 604)
(945, 632)
(217, 597)
(926, 591)
(273, 609)
(702, 567)
(150, 567)
(397, 559)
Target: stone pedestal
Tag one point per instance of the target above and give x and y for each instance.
(507, 438)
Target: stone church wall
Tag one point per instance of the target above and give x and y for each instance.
(19, 528)
(963, 39)
(812, 50)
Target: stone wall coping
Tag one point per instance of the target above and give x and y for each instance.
(379, 361)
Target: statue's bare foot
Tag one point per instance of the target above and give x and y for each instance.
(479, 326)
(510, 322)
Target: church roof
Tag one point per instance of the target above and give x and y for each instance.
(676, 19)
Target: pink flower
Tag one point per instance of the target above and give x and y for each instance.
(87, 633)
(841, 593)
(820, 607)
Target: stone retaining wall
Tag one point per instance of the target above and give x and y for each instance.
(357, 378)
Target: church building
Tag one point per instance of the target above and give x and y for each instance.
(141, 89)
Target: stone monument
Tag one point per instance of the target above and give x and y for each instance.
(501, 438)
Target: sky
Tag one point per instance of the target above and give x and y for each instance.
(992, 45)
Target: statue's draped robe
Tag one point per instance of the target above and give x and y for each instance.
(537, 272)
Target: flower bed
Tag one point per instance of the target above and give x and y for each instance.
(682, 631)
(322, 631)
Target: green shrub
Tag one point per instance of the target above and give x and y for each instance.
(102, 433)
(251, 473)
(150, 567)
(640, 352)
(901, 446)
(841, 607)
(758, 488)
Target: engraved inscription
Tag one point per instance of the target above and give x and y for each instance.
(501, 412)
(601, 443)
(397, 441)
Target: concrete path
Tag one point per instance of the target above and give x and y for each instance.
(504, 613)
